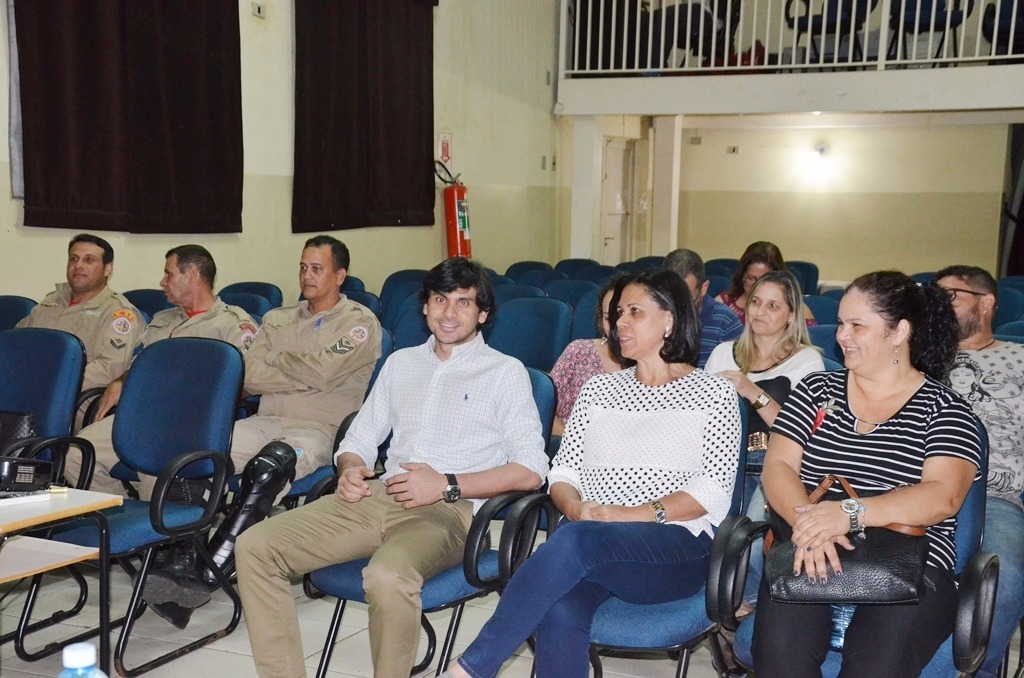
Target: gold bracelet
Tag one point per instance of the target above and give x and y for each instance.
(659, 511)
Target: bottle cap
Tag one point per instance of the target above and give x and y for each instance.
(79, 656)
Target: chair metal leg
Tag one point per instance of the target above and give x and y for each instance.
(332, 633)
(449, 638)
(595, 661)
(136, 600)
(431, 645)
(55, 618)
(683, 665)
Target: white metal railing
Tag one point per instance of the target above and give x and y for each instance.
(666, 37)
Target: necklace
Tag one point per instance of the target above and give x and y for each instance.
(985, 346)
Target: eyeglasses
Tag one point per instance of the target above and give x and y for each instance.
(751, 279)
(953, 291)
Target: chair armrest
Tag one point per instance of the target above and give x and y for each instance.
(322, 488)
(221, 470)
(727, 569)
(974, 611)
(790, 17)
(90, 397)
(479, 534)
(250, 405)
(30, 448)
(519, 535)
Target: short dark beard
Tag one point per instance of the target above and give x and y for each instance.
(970, 326)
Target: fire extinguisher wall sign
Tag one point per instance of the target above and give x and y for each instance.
(456, 212)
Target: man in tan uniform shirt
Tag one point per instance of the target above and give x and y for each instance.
(106, 322)
(310, 363)
(188, 283)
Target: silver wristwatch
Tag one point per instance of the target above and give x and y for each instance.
(854, 508)
(453, 492)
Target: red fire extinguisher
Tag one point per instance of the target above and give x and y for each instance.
(456, 212)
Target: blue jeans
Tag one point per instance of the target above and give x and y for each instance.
(559, 588)
(1004, 536)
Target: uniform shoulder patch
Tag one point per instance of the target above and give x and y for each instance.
(125, 313)
(343, 346)
(122, 325)
(359, 334)
(248, 334)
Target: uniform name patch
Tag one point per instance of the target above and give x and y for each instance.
(125, 313)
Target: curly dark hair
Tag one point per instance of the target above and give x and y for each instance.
(671, 294)
(933, 328)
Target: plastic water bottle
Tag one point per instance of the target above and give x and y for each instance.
(841, 616)
(80, 662)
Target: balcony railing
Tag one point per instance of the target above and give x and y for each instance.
(662, 37)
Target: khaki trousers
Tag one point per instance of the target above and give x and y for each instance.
(404, 546)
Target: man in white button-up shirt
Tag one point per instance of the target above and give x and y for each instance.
(465, 427)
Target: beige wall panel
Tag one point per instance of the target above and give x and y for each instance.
(847, 234)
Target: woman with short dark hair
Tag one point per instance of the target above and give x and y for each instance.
(644, 474)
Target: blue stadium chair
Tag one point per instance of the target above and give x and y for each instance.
(834, 293)
(673, 627)
(367, 299)
(1010, 306)
(13, 309)
(535, 331)
(497, 279)
(721, 266)
(401, 294)
(253, 304)
(799, 278)
(352, 284)
(1011, 329)
(628, 267)
(149, 302)
(520, 267)
(596, 274)
(718, 284)
(478, 575)
(502, 293)
(269, 291)
(808, 272)
(924, 277)
(825, 309)
(650, 262)
(539, 277)
(571, 267)
(41, 374)
(569, 291)
(161, 395)
(1015, 338)
(832, 365)
(583, 317)
(977, 572)
(410, 326)
(389, 291)
(824, 337)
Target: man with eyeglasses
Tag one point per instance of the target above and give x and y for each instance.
(989, 374)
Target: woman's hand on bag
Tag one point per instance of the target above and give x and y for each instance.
(816, 560)
(818, 524)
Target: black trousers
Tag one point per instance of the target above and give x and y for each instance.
(792, 640)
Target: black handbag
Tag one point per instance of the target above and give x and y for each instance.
(887, 566)
(14, 426)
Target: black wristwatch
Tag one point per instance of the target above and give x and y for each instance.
(453, 492)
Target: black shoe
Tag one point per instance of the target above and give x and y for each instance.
(179, 581)
(174, 613)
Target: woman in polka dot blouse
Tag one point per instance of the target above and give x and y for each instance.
(644, 473)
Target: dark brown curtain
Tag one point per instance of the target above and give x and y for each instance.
(132, 114)
(364, 114)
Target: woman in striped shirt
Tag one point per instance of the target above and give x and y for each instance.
(887, 422)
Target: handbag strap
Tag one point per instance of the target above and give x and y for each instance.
(823, 487)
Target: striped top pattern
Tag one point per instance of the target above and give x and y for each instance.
(934, 422)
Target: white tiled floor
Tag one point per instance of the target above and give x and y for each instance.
(231, 657)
